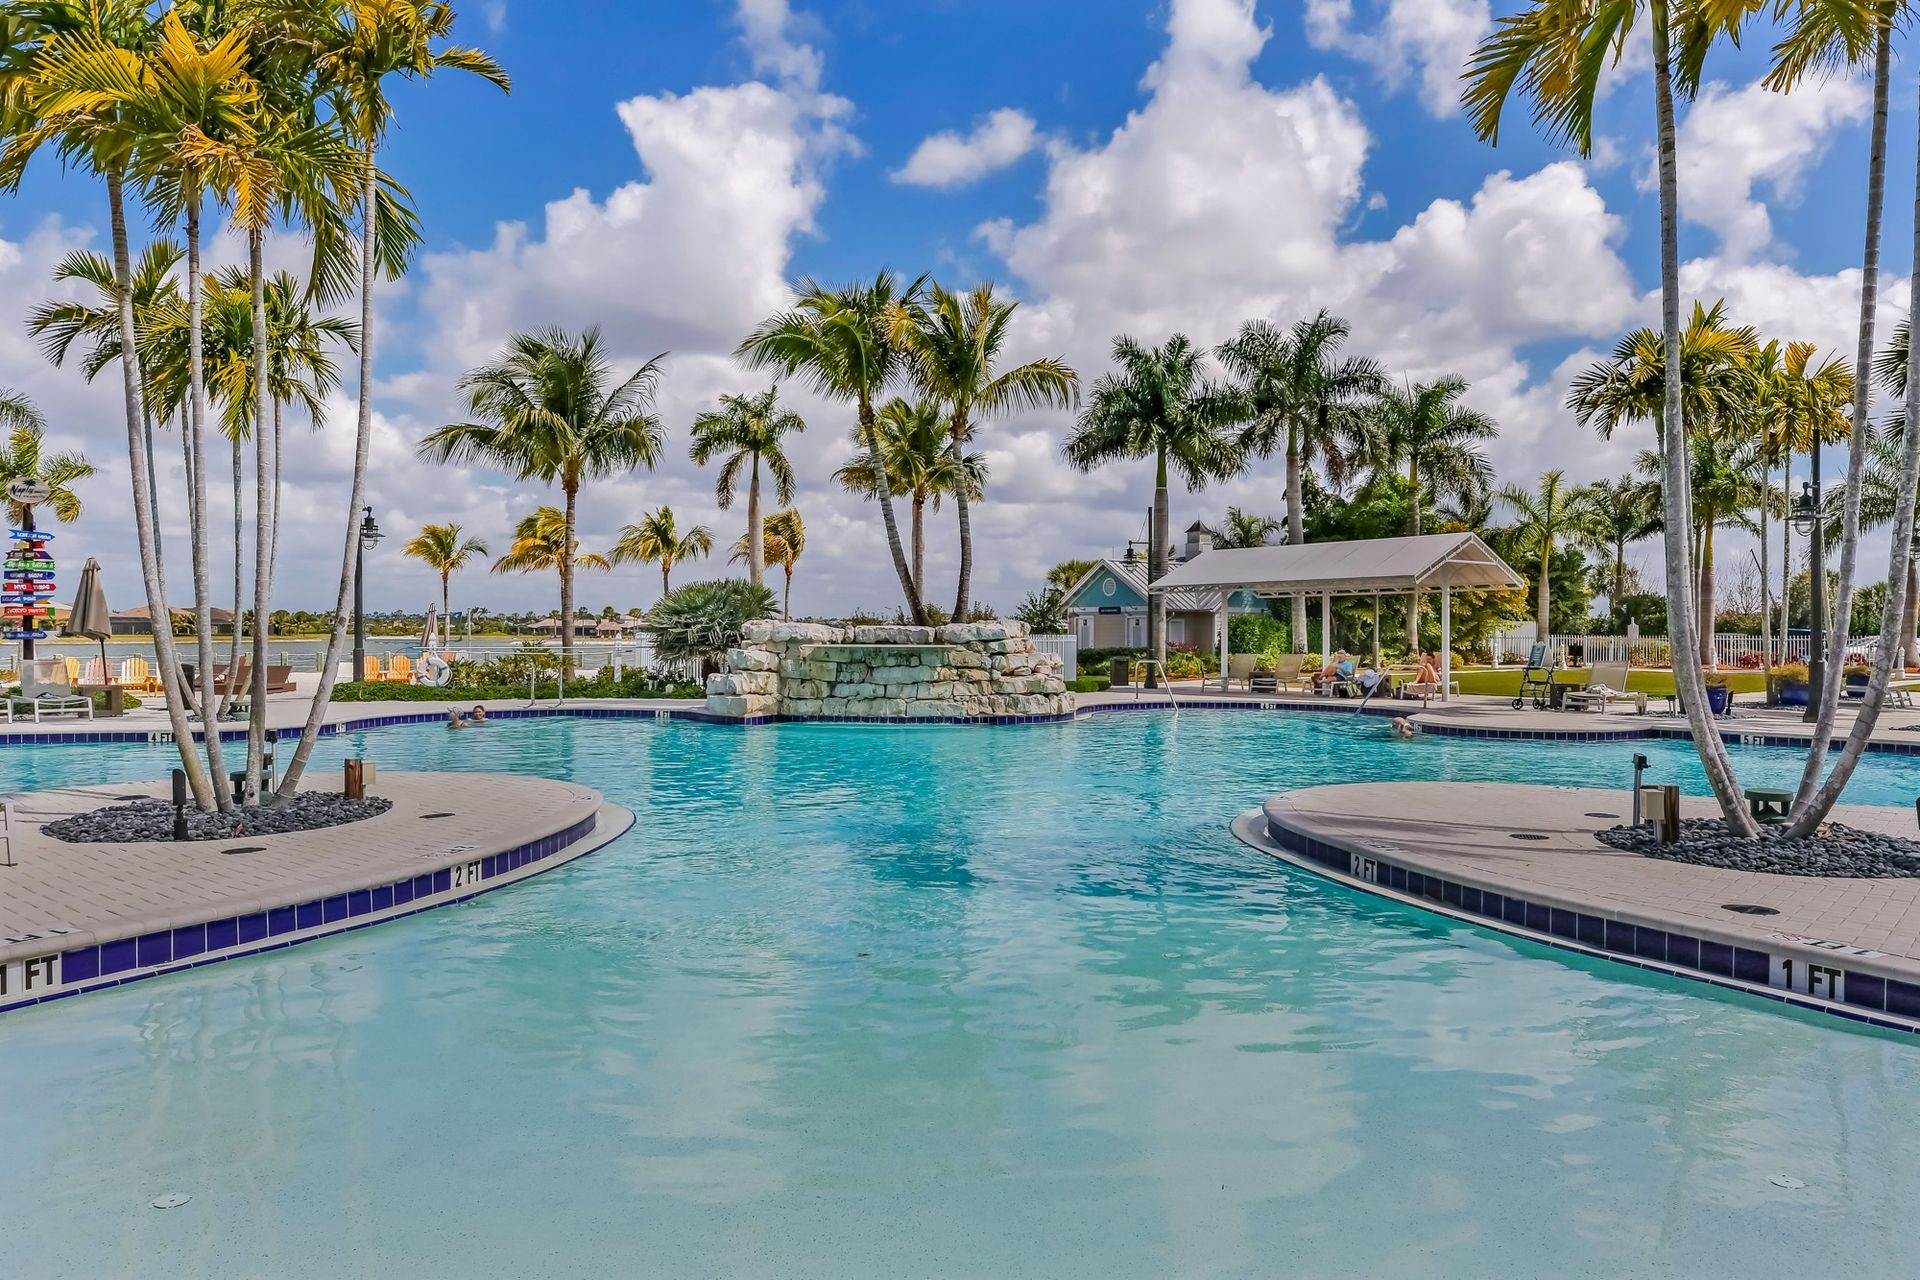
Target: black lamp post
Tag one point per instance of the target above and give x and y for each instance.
(1807, 523)
(369, 535)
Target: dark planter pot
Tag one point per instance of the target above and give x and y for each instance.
(1719, 698)
(1791, 695)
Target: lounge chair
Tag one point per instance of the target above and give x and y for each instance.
(98, 672)
(400, 669)
(52, 702)
(1240, 668)
(370, 672)
(241, 683)
(1900, 692)
(1288, 670)
(279, 679)
(1606, 686)
(73, 668)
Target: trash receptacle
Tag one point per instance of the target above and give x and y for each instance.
(1120, 672)
(1557, 694)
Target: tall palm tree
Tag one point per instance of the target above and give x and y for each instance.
(354, 49)
(786, 539)
(1556, 51)
(916, 453)
(544, 541)
(1544, 517)
(446, 549)
(1797, 408)
(1300, 396)
(658, 540)
(838, 340)
(1726, 478)
(1624, 511)
(952, 342)
(1825, 35)
(59, 325)
(547, 409)
(747, 430)
(1425, 430)
(1246, 529)
(1158, 405)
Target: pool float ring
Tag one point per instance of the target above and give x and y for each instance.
(434, 671)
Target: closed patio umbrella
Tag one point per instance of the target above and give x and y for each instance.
(90, 617)
(430, 631)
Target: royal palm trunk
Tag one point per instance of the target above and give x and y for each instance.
(265, 454)
(196, 433)
(1296, 530)
(1676, 493)
(146, 509)
(756, 533)
(571, 486)
(915, 605)
(1157, 568)
(963, 513)
(363, 435)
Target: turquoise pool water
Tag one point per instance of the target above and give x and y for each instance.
(908, 1002)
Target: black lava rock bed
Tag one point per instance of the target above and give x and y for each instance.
(153, 819)
(1838, 851)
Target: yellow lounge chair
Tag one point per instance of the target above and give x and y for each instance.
(400, 669)
(370, 672)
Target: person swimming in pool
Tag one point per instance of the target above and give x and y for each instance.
(1403, 728)
(479, 714)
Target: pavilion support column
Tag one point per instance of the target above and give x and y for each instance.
(1226, 598)
(1326, 626)
(1376, 631)
(1446, 644)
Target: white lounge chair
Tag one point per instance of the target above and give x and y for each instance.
(1606, 686)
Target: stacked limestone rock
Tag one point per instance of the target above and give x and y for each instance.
(965, 671)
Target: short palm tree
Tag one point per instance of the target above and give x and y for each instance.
(1424, 430)
(1554, 52)
(837, 340)
(542, 542)
(916, 452)
(786, 539)
(1299, 396)
(1624, 511)
(1246, 529)
(1797, 407)
(446, 549)
(24, 457)
(1543, 518)
(1158, 405)
(745, 432)
(952, 342)
(658, 540)
(548, 409)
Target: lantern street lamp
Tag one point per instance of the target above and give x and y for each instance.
(370, 536)
(1808, 524)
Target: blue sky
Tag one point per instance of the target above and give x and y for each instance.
(1119, 165)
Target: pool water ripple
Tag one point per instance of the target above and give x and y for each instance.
(939, 1002)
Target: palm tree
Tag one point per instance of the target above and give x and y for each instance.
(1827, 34)
(1556, 50)
(1624, 511)
(1542, 518)
(786, 539)
(1299, 397)
(837, 339)
(24, 457)
(1726, 479)
(544, 410)
(1063, 575)
(59, 325)
(747, 429)
(1246, 529)
(446, 549)
(1796, 408)
(544, 541)
(1424, 428)
(916, 453)
(952, 342)
(353, 49)
(657, 540)
(1157, 405)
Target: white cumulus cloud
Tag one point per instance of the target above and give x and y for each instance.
(949, 159)
(1424, 40)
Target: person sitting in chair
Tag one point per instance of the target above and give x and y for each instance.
(1337, 672)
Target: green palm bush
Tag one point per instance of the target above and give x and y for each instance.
(702, 620)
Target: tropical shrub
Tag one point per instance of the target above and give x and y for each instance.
(1044, 611)
(701, 621)
(1089, 684)
(1262, 634)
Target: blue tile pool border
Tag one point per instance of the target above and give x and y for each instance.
(1866, 997)
(119, 961)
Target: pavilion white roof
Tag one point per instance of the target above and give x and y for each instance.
(1384, 566)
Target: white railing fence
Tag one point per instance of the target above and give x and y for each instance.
(1650, 650)
(1067, 648)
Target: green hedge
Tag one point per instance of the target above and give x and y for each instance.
(1089, 684)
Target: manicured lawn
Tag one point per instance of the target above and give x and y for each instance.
(1506, 682)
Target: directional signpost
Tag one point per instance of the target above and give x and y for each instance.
(26, 582)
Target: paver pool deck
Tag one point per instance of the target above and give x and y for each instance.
(70, 912)
(1524, 859)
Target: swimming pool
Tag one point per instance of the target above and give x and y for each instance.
(857, 1001)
